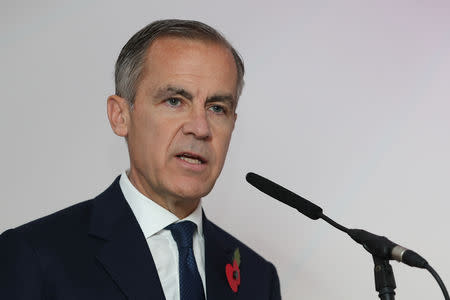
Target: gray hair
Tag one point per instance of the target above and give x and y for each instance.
(130, 62)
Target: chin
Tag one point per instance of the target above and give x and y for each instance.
(193, 191)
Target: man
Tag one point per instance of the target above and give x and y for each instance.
(146, 237)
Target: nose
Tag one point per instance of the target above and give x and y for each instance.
(197, 125)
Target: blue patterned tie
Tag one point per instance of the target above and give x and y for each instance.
(191, 287)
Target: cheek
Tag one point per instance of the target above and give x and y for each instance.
(162, 136)
(146, 137)
(222, 142)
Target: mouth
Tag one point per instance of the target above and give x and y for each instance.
(191, 158)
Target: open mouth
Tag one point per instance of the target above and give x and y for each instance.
(191, 158)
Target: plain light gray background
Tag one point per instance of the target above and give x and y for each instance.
(346, 103)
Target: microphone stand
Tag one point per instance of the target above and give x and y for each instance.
(384, 278)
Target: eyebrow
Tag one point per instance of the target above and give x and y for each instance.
(171, 90)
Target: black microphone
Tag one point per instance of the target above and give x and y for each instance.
(377, 245)
(278, 192)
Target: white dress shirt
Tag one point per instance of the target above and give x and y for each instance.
(152, 219)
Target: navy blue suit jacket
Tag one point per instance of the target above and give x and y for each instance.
(96, 250)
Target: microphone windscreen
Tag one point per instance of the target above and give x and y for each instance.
(278, 192)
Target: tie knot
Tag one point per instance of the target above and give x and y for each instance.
(182, 233)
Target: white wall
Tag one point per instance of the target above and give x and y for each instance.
(346, 103)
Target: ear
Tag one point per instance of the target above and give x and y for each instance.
(118, 115)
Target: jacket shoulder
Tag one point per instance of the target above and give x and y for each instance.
(27, 251)
(62, 222)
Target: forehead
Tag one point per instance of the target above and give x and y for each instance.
(182, 45)
(175, 57)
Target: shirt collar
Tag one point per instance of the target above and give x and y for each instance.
(152, 217)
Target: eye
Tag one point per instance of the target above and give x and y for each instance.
(217, 109)
(173, 102)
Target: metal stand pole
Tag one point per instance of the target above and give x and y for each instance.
(384, 279)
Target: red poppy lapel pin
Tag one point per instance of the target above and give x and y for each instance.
(232, 271)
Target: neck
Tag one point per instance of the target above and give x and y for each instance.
(180, 207)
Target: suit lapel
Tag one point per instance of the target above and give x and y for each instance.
(126, 257)
(217, 256)
(125, 254)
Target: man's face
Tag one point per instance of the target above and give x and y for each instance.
(183, 116)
